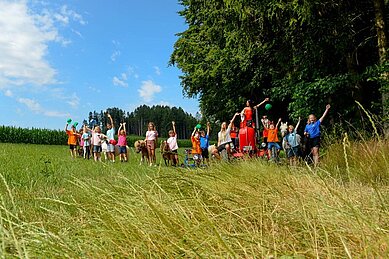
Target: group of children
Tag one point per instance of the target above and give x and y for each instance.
(92, 140)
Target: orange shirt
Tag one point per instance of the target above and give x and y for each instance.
(196, 149)
(272, 135)
(233, 133)
(72, 140)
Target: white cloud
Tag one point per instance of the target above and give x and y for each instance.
(114, 55)
(164, 103)
(23, 45)
(67, 13)
(59, 93)
(31, 104)
(148, 90)
(119, 82)
(157, 70)
(8, 93)
(34, 106)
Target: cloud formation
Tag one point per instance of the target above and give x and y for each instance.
(148, 89)
(119, 82)
(34, 106)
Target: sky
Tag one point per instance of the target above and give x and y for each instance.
(62, 59)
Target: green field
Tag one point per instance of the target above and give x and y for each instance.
(52, 206)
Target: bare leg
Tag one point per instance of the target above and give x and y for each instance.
(315, 153)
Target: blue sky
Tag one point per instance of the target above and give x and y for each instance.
(62, 59)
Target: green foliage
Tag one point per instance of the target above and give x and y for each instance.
(302, 54)
(32, 136)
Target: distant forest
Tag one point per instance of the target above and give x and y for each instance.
(136, 121)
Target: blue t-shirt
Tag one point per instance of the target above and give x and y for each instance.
(313, 129)
(204, 142)
(111, 133)
(291, 138)
(86, 138)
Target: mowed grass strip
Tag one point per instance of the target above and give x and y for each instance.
(52, 206)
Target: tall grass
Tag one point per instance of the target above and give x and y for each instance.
(52, 206)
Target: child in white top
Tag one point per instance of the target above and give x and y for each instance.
(151, 141)
(172, 141)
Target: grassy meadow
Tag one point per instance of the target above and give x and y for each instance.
(53, 206)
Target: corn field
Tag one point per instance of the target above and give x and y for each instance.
(32, 136)
(54, 137)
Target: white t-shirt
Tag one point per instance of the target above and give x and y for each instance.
(172, 141)
(224, 137)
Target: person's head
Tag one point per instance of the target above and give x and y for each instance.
(311, 118)
(224, 126)
(151, 126)
(98, 129)
(271, 126)
(202, 133)
(290, 128)
(109, 126)
(73, 128)
(122, 132)
(197, 134)
(249, 103)
(171, 133)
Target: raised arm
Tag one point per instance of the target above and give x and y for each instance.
(208, 127)
(110, 119)
(66, 127)
(325, 113)
(278, 122)
(174, 127)
(124, 127)
(232, 120)
(298, 124)
(194, 131)
(259, 104)
(121, 125)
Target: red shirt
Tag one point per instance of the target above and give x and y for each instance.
(248, 114)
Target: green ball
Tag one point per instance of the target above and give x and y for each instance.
(268, 106)
(198, 126)
(69, 121)
(75, 124)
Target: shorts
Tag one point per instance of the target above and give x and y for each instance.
(123, 150)
(275, 144)
(150, 144)
(314, 142)
(293, 151)
(197, 157)
(96, 149)
(72, 147)
(222, 147)
(110, 148)
(174, 151)
(205, 153)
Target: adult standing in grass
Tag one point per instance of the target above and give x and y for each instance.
(111, 138)
(312, 132)
(151, 142)
(72, 140)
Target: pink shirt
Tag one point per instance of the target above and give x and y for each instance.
(151, 135)
(122, 140)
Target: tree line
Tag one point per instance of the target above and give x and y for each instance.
(301, 54)
(136, 121)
